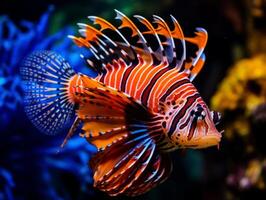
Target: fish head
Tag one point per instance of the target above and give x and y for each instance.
(201, 131)
(192, 124)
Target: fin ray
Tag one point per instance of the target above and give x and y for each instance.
(46, 75)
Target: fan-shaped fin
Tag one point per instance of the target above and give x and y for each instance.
(46, 76)
(123, 130)
(129, 163)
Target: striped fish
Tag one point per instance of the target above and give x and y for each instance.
(141, 106)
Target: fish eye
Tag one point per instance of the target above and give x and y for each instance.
(216, 117)
(203, 114)
(198, 113)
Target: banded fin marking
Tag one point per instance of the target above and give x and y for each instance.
(125, 138)
(105, 49)
(46, 76)
(131, 169)
(129, 56)
(200, 40)
(164, 30)
(159, 54)
(126, 22)
(198, 66)
(106, 25)
(178, 33)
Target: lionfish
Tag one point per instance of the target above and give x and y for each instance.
(140, 106)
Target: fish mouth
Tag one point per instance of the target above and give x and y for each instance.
(210, 140)
(212, 137)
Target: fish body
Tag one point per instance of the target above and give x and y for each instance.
(141, 105)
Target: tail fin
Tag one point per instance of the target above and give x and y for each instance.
(46, 76)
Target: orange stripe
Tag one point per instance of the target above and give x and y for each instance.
(165, 82)
(147, 74)
(130, 80)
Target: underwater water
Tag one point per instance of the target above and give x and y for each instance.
(232, 81)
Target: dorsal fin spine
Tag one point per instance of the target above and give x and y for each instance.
(162, 24)
(101, 21)
(198, 66)
(178, 31)
(145, 22)
(106, 25)
(95, 31)
(133, 27)
(105, 50)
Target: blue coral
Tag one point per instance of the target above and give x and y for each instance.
(6, 184)
(31, 166)
(16, 44)
(37, 169)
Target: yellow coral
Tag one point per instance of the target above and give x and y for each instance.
(239, 125)
(234, 93)
(254, 172)
(233, 88)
